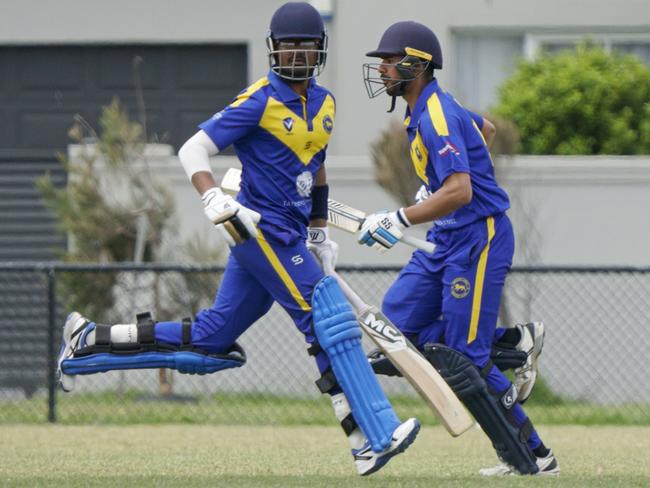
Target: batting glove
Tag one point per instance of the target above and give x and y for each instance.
(383, 230)
(422, 194)
(320, 245)
(233, 221)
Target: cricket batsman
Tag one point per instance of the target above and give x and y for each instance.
(280, 127)
(448, 302)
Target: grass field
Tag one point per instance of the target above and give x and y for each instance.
(295, 456)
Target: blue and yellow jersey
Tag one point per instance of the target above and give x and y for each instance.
(444, 139)
(280, 139)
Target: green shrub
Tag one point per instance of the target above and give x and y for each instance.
(582, 101)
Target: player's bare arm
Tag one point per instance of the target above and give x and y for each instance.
(455, 192)
(489, 131)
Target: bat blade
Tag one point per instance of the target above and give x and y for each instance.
(426, 380)
(343, 216)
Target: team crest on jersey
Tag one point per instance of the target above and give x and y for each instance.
(288, 123)
(460, 287)
(328, 124)
(304, 183)
(449, 148)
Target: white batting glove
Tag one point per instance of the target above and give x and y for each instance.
(383, 230)
(320, 245)
(234, 222)
(422, 194)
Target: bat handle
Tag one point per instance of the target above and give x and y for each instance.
(356, 301)
(418, 243)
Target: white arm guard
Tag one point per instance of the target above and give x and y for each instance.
(195, 154)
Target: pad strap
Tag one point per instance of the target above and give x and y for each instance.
(327, 382)
(102, 338)
(186, 331)
(349, 425)
(146, 325)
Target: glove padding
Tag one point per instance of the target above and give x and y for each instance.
(324, 249)
(234, 222)
(383, 230)
(422, 194)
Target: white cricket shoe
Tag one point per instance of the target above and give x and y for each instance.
(73, 330)
(368, 461)
(547, 465)
(531, 342)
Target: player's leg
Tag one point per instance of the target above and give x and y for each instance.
(414, 304)
(471, 312)
(292, 276)
(414, 301)
(205, 346)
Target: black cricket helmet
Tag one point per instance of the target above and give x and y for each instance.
(300, 27)
(419, 48)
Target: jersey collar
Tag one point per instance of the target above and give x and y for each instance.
(414, 118)
(286, 94)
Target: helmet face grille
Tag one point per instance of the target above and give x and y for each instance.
(376, 83)
(295, 63)
(296, 22)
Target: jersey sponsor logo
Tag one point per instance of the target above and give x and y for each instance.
(328, 124)
(418, 153)
(297, 259)
(304, 183)
(449, 148)
(460, 287)
(288, 123)
(217, 116)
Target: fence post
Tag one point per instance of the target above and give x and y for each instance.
(51, 347)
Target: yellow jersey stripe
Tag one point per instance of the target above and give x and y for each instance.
(437, 115)
(281, 271)
(478, 283)
(242, 97)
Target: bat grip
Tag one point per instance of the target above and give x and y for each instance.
(418, 243)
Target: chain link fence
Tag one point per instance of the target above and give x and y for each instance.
(593, 368)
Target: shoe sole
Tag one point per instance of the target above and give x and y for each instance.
(538, 343)
(64, 351)
(408, 440)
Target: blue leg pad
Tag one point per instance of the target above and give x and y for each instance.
(182, 361)
(340, 336)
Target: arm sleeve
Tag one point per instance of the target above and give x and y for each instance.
(448, 152)
(195, 154)
(478, 119)
(234, 122)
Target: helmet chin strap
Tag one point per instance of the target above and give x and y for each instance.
(400, 91)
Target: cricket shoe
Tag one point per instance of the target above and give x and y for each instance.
(531, 342)
(547, 465)
(75, 330)
(369, 461)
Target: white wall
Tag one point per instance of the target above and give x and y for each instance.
(568, 211)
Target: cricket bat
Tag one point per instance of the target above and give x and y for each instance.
(340, 215)
(419, 372)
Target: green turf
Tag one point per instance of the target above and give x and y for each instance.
(240, 456)
(134, 407)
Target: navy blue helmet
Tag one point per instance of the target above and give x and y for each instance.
(418, 49)
(297, 42)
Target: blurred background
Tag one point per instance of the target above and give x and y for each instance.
(96, 98)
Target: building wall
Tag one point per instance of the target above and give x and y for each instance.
(354, 29)
(571, 211)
